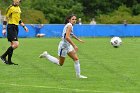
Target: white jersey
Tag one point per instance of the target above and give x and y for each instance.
(64, 33)
(64, 46)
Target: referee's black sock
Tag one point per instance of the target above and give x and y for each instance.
(10, 54)
(9, 50)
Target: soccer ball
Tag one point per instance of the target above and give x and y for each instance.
(116, 42)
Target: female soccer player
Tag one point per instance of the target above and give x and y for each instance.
(67, 46)
(13, 18)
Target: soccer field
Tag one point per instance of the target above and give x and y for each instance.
(109, 70)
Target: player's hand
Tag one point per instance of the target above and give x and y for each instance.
(81, 41)
(75, 48)
(4, 32)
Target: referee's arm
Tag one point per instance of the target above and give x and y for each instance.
(23, 25)
(4, 26)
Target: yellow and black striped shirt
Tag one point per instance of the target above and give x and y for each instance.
(13, 15)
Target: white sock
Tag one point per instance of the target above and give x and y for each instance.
(77, 67)
(52, 59)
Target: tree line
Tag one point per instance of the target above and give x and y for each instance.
(55, 11)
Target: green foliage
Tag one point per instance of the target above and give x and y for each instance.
(3, 5)
(123, 13)
(100, 8)
(136, 19)
(55, 10)
(25, 4)
(136, 9)
(33, 16)
(30, 15)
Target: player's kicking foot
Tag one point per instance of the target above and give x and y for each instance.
(81, 76)
(43, 55)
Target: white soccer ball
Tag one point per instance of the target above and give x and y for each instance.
(116, 41)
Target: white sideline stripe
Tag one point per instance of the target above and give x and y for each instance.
(60, 88)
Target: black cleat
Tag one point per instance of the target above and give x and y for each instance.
(11, 63)
(3, 60)
(6, 62)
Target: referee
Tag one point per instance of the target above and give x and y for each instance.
(13, 19)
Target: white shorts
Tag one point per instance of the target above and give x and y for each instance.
(64, 48)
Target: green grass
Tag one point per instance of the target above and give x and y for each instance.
(109, 70)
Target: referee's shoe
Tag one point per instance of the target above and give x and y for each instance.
(6, 62)
(3, 60)
(11, 63)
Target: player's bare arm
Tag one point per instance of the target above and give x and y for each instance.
(69, 29)
(74, 36)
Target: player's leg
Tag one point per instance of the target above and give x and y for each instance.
(72, 54)
(61, 53)
(49, 57)
(53, 59)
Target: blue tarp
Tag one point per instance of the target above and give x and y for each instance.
(84, 30)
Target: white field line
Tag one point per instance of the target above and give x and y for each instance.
(49, 87)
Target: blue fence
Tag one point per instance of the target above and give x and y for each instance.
(84, 30)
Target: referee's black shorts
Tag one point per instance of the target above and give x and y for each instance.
(12, 32)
